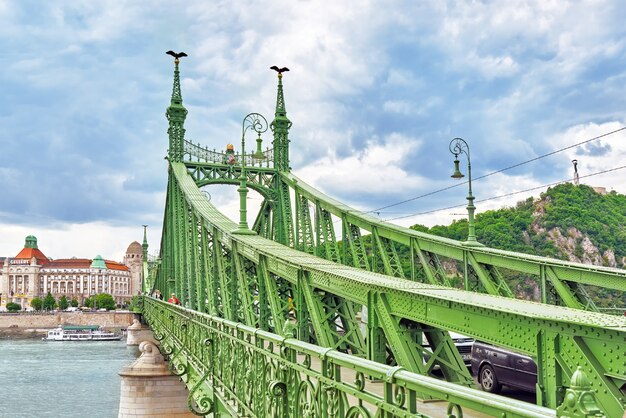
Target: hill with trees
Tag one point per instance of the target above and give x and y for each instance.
(568, 222)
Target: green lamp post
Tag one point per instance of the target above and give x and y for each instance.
(459, 146)
(257, 123)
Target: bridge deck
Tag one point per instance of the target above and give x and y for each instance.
(430, 408)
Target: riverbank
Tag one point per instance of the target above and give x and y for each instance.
(27, 325)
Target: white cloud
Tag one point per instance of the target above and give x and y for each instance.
(411, 108)
(502, 76)
(596, 156)
(370, 171)
(493, 66)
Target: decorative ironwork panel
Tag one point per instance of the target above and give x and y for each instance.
(237, 370)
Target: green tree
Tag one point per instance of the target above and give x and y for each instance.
(74, 303)
(13, 307)
(88, 302)
(135, 304)
(63, 303)
(49, 302)
(36, 303)
(106, 301)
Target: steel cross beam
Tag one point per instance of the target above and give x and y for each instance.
(558, 338)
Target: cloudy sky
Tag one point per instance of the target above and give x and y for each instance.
(375, 93)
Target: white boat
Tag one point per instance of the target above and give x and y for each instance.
(81, 333)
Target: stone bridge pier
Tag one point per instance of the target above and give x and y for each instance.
(148, 388)
(138, 332)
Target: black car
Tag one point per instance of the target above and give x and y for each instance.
(496, 366)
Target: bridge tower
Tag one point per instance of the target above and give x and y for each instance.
(144, 246)
(176, 115)
(281, 197)
(280, 126)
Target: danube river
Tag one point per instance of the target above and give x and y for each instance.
(62, 379)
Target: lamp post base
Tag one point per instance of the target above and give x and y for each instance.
(472, 243)
(243, 231)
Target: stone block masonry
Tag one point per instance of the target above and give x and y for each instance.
(149, 389)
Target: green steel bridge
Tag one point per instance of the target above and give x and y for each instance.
(272, 316)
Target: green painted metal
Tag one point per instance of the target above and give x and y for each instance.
(459, 146)
(562, 278)
(304, 229)
(237, 370)
(556, 337)
(257, 123)
(286, 280)
(176, 115)
(98, 263)
(31, 242)
(280, 126)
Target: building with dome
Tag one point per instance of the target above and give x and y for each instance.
(31, 274)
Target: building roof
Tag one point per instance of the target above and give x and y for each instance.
(98, 263)
(134, 248)
(82, 263)
(114, 265)
(31, 250)
(29, 253)
(68, 263)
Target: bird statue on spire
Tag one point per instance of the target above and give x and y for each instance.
(280, 71)
(176, 55)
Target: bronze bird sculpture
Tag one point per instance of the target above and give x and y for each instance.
(279, 70)
(176, 55)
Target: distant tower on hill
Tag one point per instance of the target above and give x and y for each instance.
(576, 179)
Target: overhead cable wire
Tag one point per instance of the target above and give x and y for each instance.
(498, 171)
(505, 195)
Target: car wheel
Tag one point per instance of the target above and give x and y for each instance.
(488, 380)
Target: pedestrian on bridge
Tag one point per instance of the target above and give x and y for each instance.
(174, 299)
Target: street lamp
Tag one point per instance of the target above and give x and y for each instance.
(459, 146)
(257, 123)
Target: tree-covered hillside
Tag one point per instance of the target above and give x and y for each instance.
(571, 213)
(567, 222)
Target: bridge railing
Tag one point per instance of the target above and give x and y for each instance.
(204, 154)
(243, 371)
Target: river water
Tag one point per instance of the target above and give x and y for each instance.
(62, 379)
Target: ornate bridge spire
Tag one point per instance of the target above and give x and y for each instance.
(280, 126)
(144, 246)
(176, 114)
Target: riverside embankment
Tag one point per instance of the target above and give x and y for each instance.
(35, 324)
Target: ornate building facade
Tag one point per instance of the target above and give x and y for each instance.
(31, 274)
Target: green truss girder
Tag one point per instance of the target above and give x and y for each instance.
(263, 222)
(305, 240)
(557, 337)
(430, 264)
(387, 254)
(282, 222)
(334, 320)
(486, 260)
(245, 287)
(353, 242)
(326, 242)
(402, 340)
